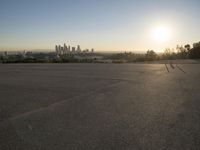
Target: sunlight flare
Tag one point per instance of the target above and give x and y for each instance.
(161, 34)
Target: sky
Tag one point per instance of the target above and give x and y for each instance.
(106, 25)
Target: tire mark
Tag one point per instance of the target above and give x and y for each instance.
(172, 65)
(167, 68)
(180, 69)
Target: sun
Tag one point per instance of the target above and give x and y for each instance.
(161, 34)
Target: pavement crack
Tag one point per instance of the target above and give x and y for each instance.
(63, 101)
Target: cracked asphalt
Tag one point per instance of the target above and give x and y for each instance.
(100, 106)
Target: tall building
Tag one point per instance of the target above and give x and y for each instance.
(65, 48)
(59, 49)
(78, 49)
(5, 53)
(56, 49)
(73, 49)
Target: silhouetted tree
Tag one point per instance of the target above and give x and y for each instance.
(169, 54)
(181, 52)
(187, 47)
(194, 53)
(151, 55)
(196, 45)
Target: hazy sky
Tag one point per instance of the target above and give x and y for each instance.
(98, 24)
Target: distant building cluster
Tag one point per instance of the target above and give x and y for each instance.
(61, 50)
(12, 53)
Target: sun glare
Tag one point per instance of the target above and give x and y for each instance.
(161, 34)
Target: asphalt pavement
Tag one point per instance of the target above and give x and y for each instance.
(100, 106)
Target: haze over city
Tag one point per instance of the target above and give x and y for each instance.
(99, 75)
(106, 25)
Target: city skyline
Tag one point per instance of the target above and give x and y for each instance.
(68, 49)
(113, 25)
